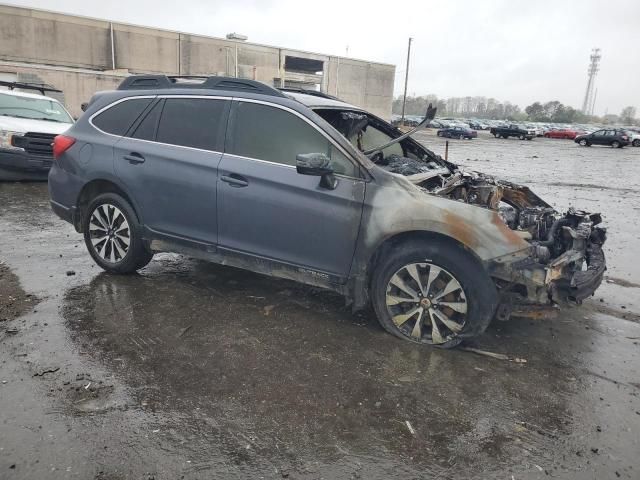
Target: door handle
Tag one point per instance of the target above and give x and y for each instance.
(134, 157)
(235, 180)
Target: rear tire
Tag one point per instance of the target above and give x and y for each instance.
(522, 137)
(616, 144)
(424, 271)
(112, 234)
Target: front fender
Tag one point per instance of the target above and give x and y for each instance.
(399, 207)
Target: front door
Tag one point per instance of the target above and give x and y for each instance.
(267, 209)
(169, 164)
(599, 137)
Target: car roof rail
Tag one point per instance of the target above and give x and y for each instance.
(41, 87)
(313, 93)
(151, 82)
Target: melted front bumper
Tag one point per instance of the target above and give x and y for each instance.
(570, 278)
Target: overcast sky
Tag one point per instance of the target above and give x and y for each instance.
(520, 51)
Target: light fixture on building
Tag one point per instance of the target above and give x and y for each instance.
(237, 36)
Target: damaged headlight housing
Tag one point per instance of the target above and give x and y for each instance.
(6, 137)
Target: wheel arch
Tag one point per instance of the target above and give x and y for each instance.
(97, 187)
(397, 240)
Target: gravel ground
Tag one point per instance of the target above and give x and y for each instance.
(192, 370)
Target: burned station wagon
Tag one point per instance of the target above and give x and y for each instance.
(303, 186)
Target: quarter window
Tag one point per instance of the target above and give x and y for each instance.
(275, 135)
(117, 119)
(193, 122)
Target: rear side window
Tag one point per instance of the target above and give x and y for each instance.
(193, 122)
(117, 119)
(275, 135)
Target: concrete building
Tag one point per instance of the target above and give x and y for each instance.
(82, 55)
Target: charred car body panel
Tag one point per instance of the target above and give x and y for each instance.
(536, 255)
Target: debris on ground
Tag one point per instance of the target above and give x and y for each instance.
(44, 372)
(498, 356)
(184, 330)
(411, 430)
(267, 309)
(70, 273)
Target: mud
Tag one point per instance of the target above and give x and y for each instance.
(13, 299)
(192, 370)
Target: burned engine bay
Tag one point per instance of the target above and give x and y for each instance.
(568, 245)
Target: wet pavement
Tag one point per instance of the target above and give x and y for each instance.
(196, 371)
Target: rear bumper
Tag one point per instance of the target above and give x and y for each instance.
(16, 165)
(67, 214)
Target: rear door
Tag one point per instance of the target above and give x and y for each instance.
(267, 209)
(169, 163)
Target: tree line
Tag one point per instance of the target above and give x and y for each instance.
(490, 108)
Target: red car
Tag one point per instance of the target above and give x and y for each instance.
(566, 133)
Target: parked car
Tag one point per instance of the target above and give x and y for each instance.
(312, 189)
(535, 130)
(634, 137)
(512, 130)
(615, 138)
(28, 124)
(457, 132)
(565, 133)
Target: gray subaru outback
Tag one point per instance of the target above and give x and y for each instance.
(303, 186)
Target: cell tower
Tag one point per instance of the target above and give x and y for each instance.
(594, 66)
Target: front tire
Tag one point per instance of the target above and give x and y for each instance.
(636, 142)
(432, 293)
(112, 234)
(583, 142)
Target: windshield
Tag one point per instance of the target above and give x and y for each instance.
(33, 108)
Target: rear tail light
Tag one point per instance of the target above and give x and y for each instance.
(624, 137)
(62, 143)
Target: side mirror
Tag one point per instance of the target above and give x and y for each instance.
(84, 106)
(318, 165)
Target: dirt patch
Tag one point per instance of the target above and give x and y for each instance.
(14, 301)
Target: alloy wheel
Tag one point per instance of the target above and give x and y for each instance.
(426, 303)
(109, 232)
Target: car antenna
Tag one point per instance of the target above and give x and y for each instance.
(430, 115)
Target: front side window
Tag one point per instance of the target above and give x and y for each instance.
(275, 135)
(33, 108)
(373, 137)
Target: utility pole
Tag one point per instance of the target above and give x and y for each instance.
(593, 105)
(592, 71)
(406, 80)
